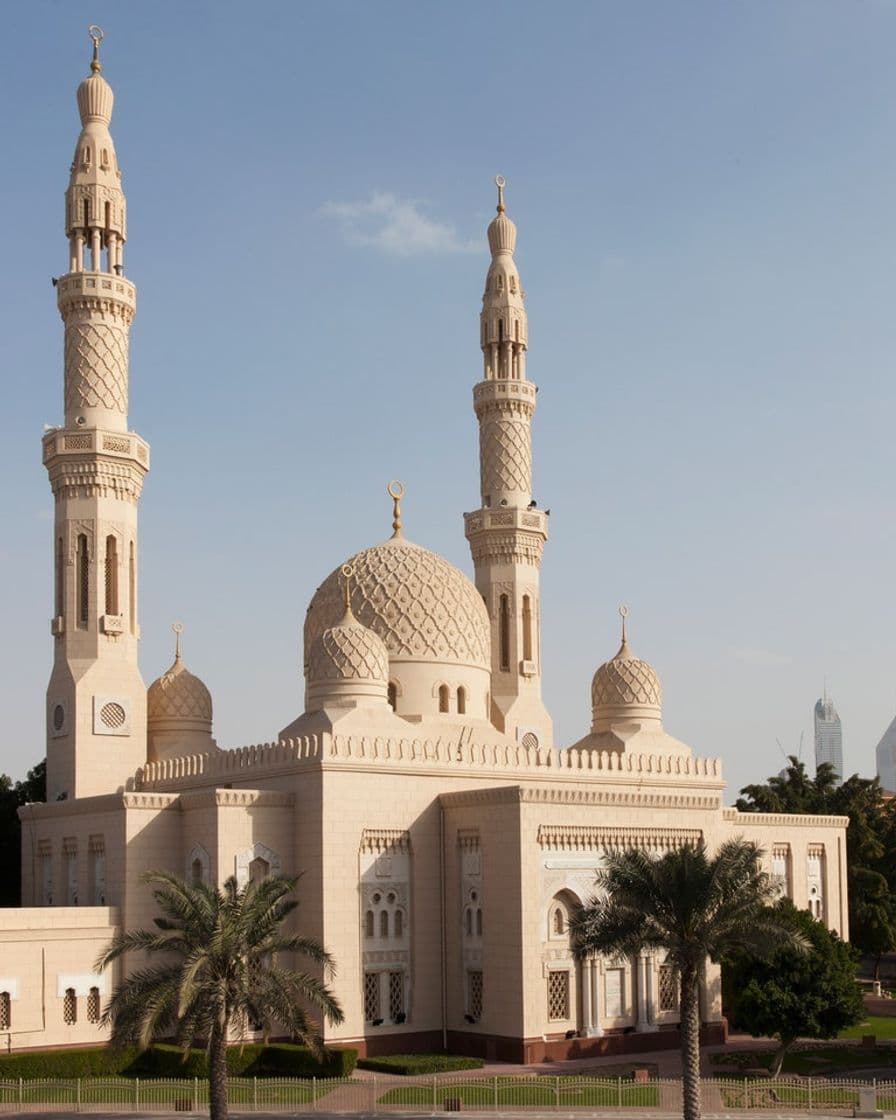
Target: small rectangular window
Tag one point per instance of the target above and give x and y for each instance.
(396, 996)
(5, 1012)
(93, 1006)
(474, 994)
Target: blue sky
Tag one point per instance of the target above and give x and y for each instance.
(704, 194)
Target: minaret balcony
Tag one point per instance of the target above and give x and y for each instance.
(526, 520)
(68, 442)
(76, 286)
(486, 392)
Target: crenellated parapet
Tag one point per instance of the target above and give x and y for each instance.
(447, 754)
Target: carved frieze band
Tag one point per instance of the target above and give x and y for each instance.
(788, 820)
(590, 838)
(468, 839)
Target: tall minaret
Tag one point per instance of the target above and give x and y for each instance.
(96, 698)
(508, 533)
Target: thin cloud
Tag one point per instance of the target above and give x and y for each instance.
(395, 226)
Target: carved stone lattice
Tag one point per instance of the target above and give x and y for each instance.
(505, 455)
(558, 995)
(96, 366)
(417, 603)
(668, 988)
(371, 996)
(474, 994)
(396, 995)
(348, 653)
(626, 681)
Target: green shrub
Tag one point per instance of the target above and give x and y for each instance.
(95, 1061)
(167, 1060)
(411, 1064)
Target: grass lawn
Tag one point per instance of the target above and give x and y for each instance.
(882, 1026)
(758, 1094)
(541, 1091)
(819, 1059)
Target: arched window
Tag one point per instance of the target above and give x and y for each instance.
(5, 1011)
(259, 869)
(132, 590)
(93, 1006)
(443, 697)
(479, 921)
(60, 570)
(461, 701)
(558, 924)
(504, 631)
(384, 923)
(393, 695)
(527, 628)
(468, 922)
(196, 871)
(111, 575)
(70, 1007)
(368, 924)
(399, 923)
(83, 581)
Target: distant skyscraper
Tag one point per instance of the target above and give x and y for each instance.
(886, 758)
(828, 736)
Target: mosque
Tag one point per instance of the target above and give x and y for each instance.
(442, 834)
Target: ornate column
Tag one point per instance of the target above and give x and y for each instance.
(646, 995)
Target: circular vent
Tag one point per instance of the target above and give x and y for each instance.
(58, 717)
(112, 715)
(530, 741)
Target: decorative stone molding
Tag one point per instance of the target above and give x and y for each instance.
(468, 839)
(243, 859)
(784, 820)
(595, 838)
(151, 801)
(385, 839)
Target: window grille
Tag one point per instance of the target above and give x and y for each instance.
(5, 1011)
(668, 988)
(93, 1006)
(70, 1007)
(558, 995)
(371, 996)
(396, 995)
(474, 994)
(111, 575)
(83, 581)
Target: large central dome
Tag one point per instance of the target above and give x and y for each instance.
(422, 607)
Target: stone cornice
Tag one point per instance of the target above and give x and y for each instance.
(785, 820)
(589, 838)
(236, 798)
(641, 798)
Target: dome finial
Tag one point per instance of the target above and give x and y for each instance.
(500, 183)
(395, 490)
(347, 572)
(178, 628)
(623, 614)
(96, 34)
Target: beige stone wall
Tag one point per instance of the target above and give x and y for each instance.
(44, 952)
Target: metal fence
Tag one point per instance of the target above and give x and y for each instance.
(448, 1094)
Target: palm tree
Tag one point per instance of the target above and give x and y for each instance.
(220, 969)
(694, 908)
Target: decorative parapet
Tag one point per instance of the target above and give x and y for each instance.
(591, 838)
(785, 820)
(455, 752)
(552, 795)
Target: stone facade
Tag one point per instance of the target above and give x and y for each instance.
(442, 838)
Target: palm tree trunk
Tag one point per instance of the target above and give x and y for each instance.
(690, 1043)
(217, 1074)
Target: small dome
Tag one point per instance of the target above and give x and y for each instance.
(626, 688)
(95, 99)
(178, 695)
(419, 605)
(348, 651)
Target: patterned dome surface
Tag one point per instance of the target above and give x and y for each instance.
(626, 681)
(177, 694)
(422, 607)
(348, 651)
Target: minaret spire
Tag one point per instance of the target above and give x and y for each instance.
(508, 532)
(96, 699)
